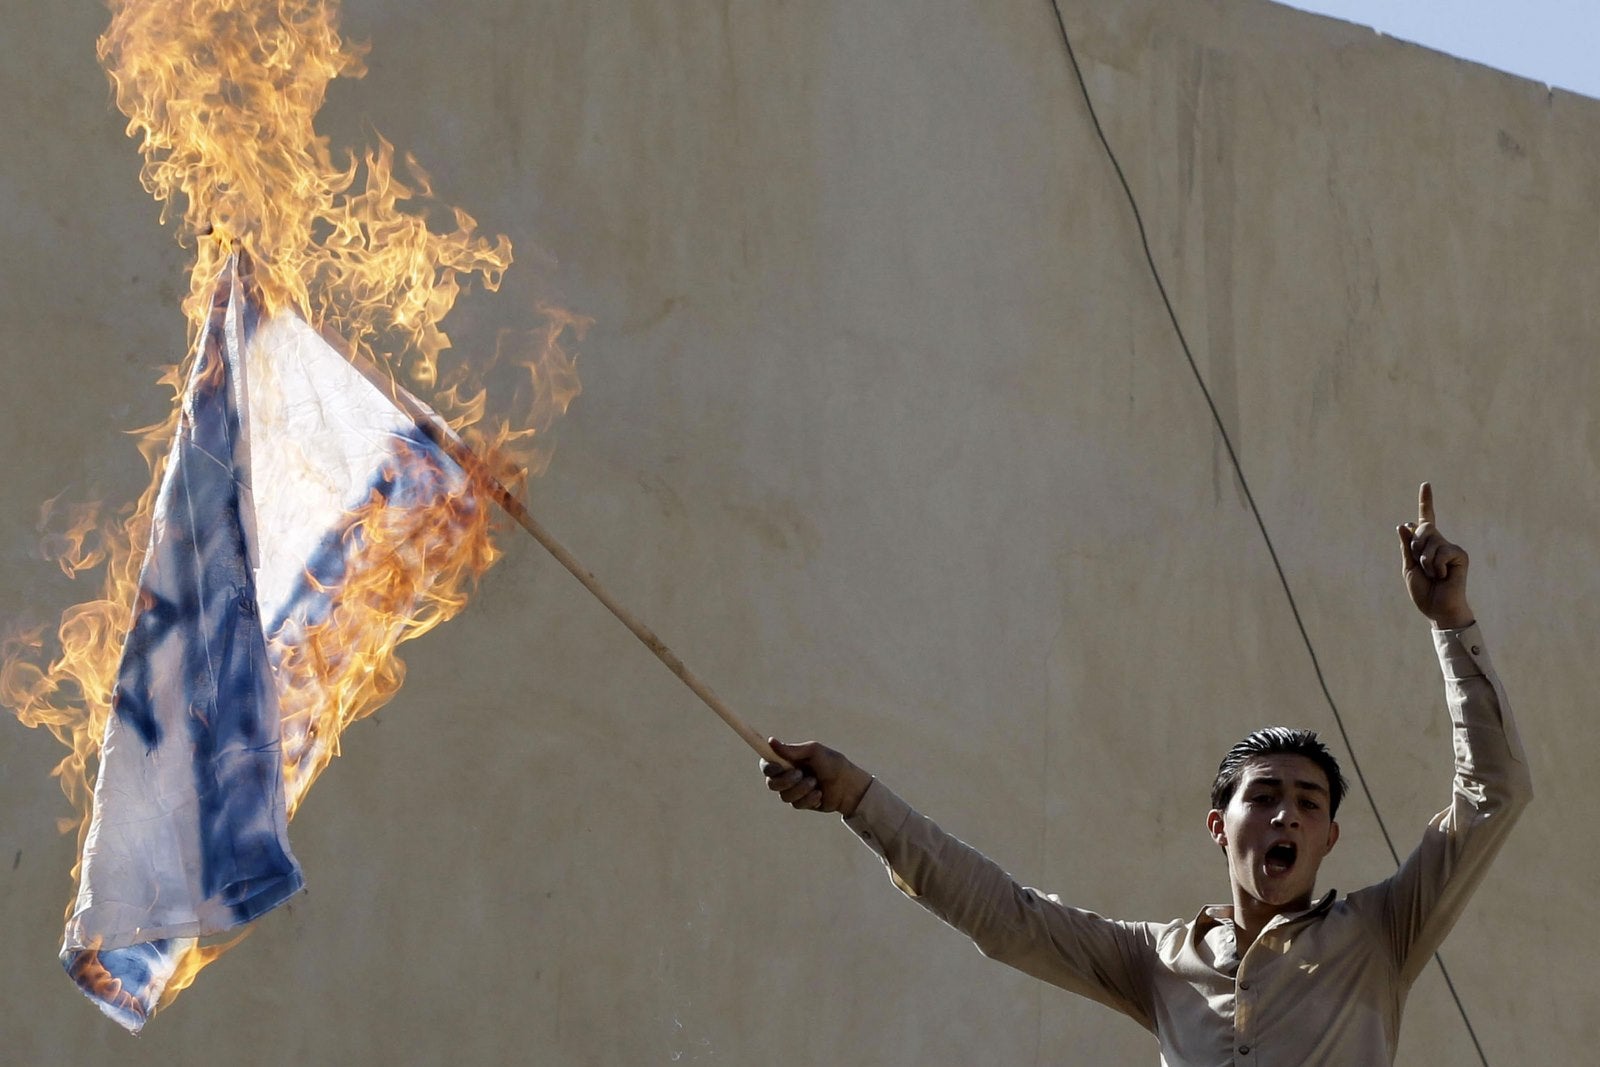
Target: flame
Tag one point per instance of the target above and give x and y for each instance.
(80, 546)
(191, 963)
(408, 575)
(221, 96)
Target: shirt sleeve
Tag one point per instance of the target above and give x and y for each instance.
(1422, 900)
(1108, 961)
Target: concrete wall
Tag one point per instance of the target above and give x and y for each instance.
(886, 432)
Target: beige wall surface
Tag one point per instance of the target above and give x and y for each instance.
(886, 432)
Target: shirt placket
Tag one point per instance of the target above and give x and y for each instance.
(1249, 990)
(1246, 997)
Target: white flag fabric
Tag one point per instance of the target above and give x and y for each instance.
(280, 441)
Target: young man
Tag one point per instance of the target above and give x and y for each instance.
(1277, 977)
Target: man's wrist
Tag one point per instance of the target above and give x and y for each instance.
(859, 782)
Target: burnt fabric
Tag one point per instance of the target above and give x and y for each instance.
(279, 440)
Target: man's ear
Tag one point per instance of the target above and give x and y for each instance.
(1333, 835)
(1219, 833)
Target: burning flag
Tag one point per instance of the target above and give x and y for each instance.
(306, 520)
(265, 527)
(311, 514)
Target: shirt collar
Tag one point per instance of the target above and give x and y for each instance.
(1217, 914)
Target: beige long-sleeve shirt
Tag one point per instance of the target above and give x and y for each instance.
(1322, 986)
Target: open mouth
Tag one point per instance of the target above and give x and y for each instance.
(1280, 857)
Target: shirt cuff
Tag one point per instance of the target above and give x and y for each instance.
(1462, 653)
(879, 815)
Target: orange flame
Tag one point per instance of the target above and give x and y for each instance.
(407, 577)
(80, 546)
(192, 963)
(221, 96)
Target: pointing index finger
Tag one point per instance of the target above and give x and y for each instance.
(1425, 503)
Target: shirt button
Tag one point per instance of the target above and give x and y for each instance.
(1244, 985)
(1476, 650)
(1244, 1050)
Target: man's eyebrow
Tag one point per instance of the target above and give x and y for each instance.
(1277, 783)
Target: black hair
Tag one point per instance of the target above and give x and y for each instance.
(1269, 741)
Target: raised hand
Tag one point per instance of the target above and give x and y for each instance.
(1435, 569)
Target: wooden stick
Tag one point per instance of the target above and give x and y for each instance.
(519, 511)
(431, 424)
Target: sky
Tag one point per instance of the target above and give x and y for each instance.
(1552, 41)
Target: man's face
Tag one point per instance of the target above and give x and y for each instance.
(1276, 830)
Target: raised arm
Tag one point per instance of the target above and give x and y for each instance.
(1490, 787)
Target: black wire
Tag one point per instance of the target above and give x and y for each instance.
(1238, 471)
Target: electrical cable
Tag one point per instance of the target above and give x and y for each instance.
(1238, 470)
